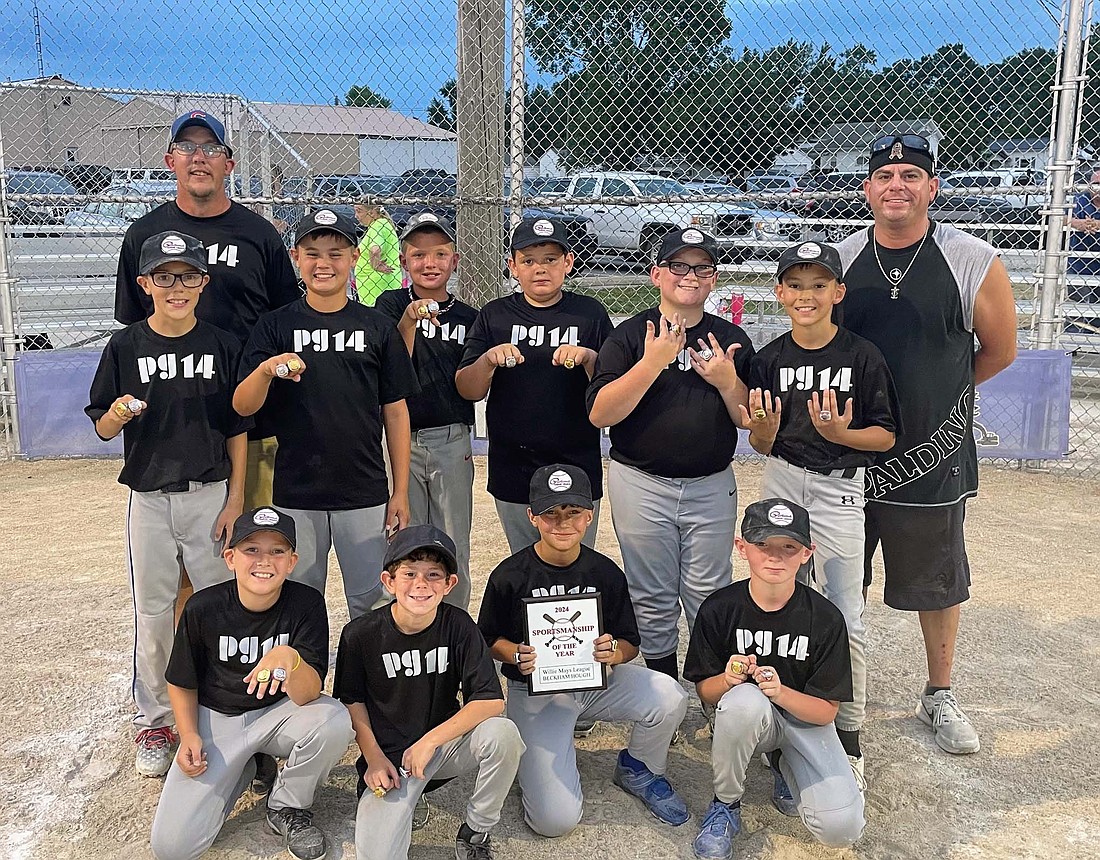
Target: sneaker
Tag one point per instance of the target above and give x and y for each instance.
(782, 798)
(478, 847)
(266, 771)
(421, 813)
(304, 839)
(715, 839)
(155, 749)
(659, 797)
(583, 728)
(951, 727)
(857, 771)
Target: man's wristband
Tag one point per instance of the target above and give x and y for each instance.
(297, 662)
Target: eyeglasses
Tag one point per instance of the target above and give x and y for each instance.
(913, 141)
(702, 271)
(189, 148)
(191, 280)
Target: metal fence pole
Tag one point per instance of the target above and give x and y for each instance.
(518, 95)
(1061, 168)
(8, 335)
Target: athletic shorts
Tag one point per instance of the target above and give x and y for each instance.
(923, 552)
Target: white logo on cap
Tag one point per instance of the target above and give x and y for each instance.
(265, 517)
(895, 151)
(173, 245)
(780, 515)
(426, 216)
(542, 227)
(325, 216)
(559, 481)
(692, 237)
(809, 251)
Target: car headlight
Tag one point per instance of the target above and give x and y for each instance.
(704, 221)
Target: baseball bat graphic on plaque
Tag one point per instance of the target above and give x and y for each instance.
(562, 629)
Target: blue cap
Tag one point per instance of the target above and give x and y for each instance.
(202, 119)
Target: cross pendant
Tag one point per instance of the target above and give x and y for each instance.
(895, 291)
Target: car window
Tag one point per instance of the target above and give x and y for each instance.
(40, 183)
(586, 187)
(661, 188)
(616, 188)
(133, 211)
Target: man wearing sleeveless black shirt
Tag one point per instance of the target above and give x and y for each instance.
(921, 292)
(250, 271)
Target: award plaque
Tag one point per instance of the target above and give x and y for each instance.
(562, 630)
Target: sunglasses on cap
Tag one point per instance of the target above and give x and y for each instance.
(912, 141)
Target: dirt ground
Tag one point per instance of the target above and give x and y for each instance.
(1027, 676)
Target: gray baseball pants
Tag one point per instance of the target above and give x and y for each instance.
(383, 825)
(312, 738)
(552, 796)
(520, 533)
(676, 537)
(813, 763)
(441, 492)
(165, 531)
(359, 537)
(835, 505)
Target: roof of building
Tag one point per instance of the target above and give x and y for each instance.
(845, 137)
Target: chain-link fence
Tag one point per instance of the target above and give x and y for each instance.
(750, 121)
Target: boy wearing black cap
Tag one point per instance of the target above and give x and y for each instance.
(561, 510)
(533, 353)
(166, 384)
(399, 670)
(433, 324)
(771, 655)
(669, 383)
(334, 373)
(245, 677)
(822, 402)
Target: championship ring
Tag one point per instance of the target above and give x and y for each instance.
(676, 329)
(379, 791)
(510, 361)
(263, 676)
(569, 364)
(135, 406)
(767, 674)
(825, 415)
(279, 674)
(707, 354)
(759, 414)
(737, 667)
(282, 371)
(294, 366)
(121, 410)
(422, 311)
(433, 307)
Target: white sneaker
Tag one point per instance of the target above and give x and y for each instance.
(857, 772)
(951, 727)
(155, 750)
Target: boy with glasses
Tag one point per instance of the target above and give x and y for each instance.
(669, 382)
(166, 383)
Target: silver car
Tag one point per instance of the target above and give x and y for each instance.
(116, 214)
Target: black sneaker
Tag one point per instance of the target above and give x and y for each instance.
(583, 728)
(304, 839)
(477, 847)
(266, 771)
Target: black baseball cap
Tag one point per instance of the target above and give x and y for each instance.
(817, 253)
(776, 517)
(407, 541)
(202, 119)
(326, 219)
(560, 484)
(169, 247)
(902, 149)
(264, 519)
(428, 221)
(537, 231)
(678, 240)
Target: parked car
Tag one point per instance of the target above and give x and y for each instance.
(636, 228)
(34, 212)
(1004, 184)
(114, 214)
(124, 175)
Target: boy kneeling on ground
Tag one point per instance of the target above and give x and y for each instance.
(771, 655)
(399, 670)
(280, 630)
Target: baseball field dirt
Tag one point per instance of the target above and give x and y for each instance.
(1026, 673)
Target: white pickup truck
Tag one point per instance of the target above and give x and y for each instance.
(632, 212)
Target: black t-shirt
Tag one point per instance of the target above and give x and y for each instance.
(410, 682)
(188, 384)
(218, 642)
(526, 575)
(806, 641)
(437, 351)
(849, 365)
(329, 423)
(536, 413)
(680, 428)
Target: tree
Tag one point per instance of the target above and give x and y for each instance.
(361, 95)
(443, 108)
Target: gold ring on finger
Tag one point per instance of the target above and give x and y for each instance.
(423, 311)
(263, 676)
(121, 410)
(759, 414)
(676, 329)
(569, 364)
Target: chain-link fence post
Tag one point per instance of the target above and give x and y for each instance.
(9, 403)
(518, 98)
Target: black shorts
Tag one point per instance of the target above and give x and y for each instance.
(924, 554)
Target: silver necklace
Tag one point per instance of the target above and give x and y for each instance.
(450, 303)
(896, 275)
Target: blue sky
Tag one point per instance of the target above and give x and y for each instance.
(406, 50)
